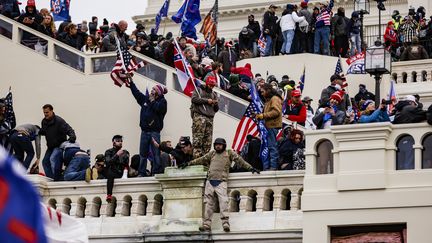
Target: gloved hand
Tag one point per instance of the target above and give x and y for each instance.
(260, 116)
(182, 166)
(253, 170)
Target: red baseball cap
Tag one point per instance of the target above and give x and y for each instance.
(296, 93)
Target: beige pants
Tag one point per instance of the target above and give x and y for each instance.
(211, 194)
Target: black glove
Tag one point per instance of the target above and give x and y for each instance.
(182, 166)
(253, 170)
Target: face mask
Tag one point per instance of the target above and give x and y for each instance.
(338, 87)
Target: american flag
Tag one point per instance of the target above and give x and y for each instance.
(338, 69)
(262, 44)
(391, 96)
(302, 80)
(10, 114)
(209, 27)
(248, 125)
(125, 64)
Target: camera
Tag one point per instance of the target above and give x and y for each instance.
(386, 102)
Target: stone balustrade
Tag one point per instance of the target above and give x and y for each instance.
(412, 71)
(172, 202)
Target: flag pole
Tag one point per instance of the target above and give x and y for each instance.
(164, 26)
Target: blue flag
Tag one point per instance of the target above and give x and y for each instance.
(163, 12)
(20, 211)
(189, 15)
(60, 9)
(256, 101)
(302, 80)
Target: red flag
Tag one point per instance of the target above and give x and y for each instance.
(184, 70)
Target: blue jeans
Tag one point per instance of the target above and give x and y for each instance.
(52, 163)
(272, 160)
(288, 36)
(322, 35)
(149, 151)
(269, 45)
(355, 44)
(76, 169)
(22, 144)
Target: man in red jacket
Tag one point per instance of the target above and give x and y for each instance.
(295, 111)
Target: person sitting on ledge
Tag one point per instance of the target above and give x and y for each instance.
(219, 161)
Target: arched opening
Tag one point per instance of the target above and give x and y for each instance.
(95, 210)
(324, 158)
(235, 201)
(423, 76)
(252, 201)
(268, 200)
(81, 206)
(285, 203)
(52, 203)
(394, 77)
(414, 77)
(127, 205)
(404, 77)
(66, 206)
(142, 205)
(111, 207)
(158, 204)
(427, 152)
(405, 153)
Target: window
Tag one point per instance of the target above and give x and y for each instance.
(427, 152)
(405, 153)
(324, 158)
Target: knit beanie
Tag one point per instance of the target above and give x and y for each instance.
(366, 104)
(31, 3)
(160, 90)
(338, 95)
(234, 79)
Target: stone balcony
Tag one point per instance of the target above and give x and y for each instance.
(268, 206)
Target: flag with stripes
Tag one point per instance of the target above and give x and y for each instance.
(338, 69)
(392, 96)
(248, 125)
(209, 27)
(10, 114)
(124, 66)
(262, 44)
(185, 74)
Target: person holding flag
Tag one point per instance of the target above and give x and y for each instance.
(272, 117)
(153, 111)
(204, 106)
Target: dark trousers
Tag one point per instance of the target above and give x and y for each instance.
(21, 145)
(111, 175)
(341, 45)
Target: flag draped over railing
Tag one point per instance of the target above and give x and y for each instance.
(60, 9)
(209, 27)
(163, 12)
(189, 16)
(124, 66)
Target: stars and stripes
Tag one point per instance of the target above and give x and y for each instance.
(249, 125)
(209, 27)
(392, 96)
(338, 69)
(10, 114)
(262, 44)
(185, 74)
(124, 66)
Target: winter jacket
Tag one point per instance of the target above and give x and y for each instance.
(180, 156)
(287, 149)
(46, 30)
(34, 15)
(116, 163)
(255, 27)
(56, 131)
(251, 153)
(152, 113)
(323, 18)
(239, 92)
(227, 59)
(273, 112)
(288, 21)
(296, 112)
(246, 70)
(75, 41)
(246, 40)
(414, 52)
(364, 96)
(146, 50)
(32, 132)
(429, 115)
(337, 119)
(200, 104)
(340, 25)
(354, 26)
(409, 114)
(10, 8)
(325, 98)
(377, 116)
(269, 24)
(220, 163)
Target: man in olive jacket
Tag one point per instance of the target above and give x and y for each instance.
(272, 117)
(219, 161)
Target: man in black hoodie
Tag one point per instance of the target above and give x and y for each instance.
(56, 130)
(9, 8)
(255, 27)
(32, 19)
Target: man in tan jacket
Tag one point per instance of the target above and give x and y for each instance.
(272, 117)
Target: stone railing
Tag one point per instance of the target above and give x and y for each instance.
(172, 202)
(412, 71)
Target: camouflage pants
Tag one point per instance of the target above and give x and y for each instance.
(211, 194)
(202, 131)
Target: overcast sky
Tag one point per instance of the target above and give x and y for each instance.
(112, 10)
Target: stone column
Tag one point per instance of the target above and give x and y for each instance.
(183, 198)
